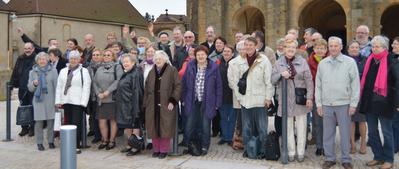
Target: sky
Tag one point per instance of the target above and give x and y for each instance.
(157, 7)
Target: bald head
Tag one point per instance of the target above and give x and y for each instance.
(89, 40)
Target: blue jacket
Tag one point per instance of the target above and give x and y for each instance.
(212, 92)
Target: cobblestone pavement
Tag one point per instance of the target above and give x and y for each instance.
(22, 153)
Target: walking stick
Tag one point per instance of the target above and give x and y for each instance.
(284, 156)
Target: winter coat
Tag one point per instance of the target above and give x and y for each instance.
(160, 90)
(107, 80)
(20, 73)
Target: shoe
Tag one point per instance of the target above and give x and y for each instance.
(103, 145)
(51, 145)
(230, 143)
(95, 140)
(328, 164)
(40, 147)
(386, 165)
(78, 151)
(56, 134)
(90, 133)
(111, 145)
(155, 154)
(300, 158)
(221, 142)
(245, 154)
(374, 163)
(23, 132)
(149, 146)
(126, 149)
(162, 155)
(291, 158)
(204, 152)
(319, 152)
(347, 165)
(31, 132)
(132, 153)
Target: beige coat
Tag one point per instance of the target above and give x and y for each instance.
(303, 79)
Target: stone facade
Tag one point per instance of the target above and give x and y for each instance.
(275, 17)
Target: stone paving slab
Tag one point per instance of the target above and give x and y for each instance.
(22, 153)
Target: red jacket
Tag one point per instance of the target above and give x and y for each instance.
(184, 67)
(313, 66)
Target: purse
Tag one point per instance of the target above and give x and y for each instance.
(242, 83)
(25, 115)
(300, 95)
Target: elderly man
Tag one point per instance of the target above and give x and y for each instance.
(237, 38)
(51, 42)
(308, 46)
(87, 52)
(337, 96)
(363, 37)
(19, 79)
(176, 45)
(210, 39)
(181, 55)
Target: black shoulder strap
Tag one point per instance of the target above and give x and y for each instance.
(115, 71)
(81, 75)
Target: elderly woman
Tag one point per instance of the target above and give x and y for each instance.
(105, 81)
(73, 92)
(42, 82)
(201, 96)
(218, 52)
(96, 62)
(226, 111)
(354, 52)
(161, 95)
(379, 100)
(295, 70)
(129, 101)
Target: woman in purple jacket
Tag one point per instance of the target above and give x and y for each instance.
(201, 96)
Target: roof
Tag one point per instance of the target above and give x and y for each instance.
(4, 6)
(120, 11)
(171, 18)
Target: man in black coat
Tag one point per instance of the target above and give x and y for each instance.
(210, 39)
(163, 44)
(19, 79)
(88, 51)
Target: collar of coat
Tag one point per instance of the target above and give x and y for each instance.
(283, 61)
(339, 58)
(259, 58)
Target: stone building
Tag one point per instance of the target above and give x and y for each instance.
(166, 22)
(5, 20)
(275, 17)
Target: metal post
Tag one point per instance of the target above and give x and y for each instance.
(284, 156)
(8, 112)
(68, 147)
(84, 136)
(175, 151)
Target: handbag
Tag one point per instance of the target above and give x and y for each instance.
(242, 83)
(25, 115)
(300, 95)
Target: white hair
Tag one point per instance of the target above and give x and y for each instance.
(240, 45)
(74, 54)
(162, 55)
(364, 27)
(130, 56)
(381, 40)
(42, 54)
(334, 39)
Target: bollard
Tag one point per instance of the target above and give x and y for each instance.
(8, 112)
(68, 147)
(175, 151)
(84, 136)
(284, 155)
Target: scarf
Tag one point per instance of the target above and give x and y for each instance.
(381, 81)
(95, 65)
(108, 65)
(291, 67)
(42, 86)
(317, 58)
(150, 61)
(69, 78)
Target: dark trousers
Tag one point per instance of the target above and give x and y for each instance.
(198, 127)
(93, 122)
(216, 124)
(74, 115)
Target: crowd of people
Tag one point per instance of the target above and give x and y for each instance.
(143, 85)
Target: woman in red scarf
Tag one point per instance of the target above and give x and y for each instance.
(379, 100)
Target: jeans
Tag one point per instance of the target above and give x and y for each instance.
(254, 123)
(198, 127)
(395, 125)
(317, 127)
(227, 121)
(381, 152)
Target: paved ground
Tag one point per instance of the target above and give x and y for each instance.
(22, 153)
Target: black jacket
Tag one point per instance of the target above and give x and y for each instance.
(386, 106)
(210, 48)
(166, 49)
(87, 52)
(129, 97)
(38, 48)
(180, 56)
(20, 74)
(60, 64)
(227, 92)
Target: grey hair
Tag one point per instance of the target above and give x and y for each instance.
(334, 39)
(382, 40)
(42, 54)
(74, 54)
(280, 41)
(240, 45)
(161, 54)
(130, 56)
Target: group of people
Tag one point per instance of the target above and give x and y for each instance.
(144, 85)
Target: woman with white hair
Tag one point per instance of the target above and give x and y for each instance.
(379, 100)
(42, 82)
(161, 96)
(73, 93)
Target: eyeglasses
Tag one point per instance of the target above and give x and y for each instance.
(96, 54)
(364, 33)
(107, 55)
(188, 37)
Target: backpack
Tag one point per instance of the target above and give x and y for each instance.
(272, 146)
